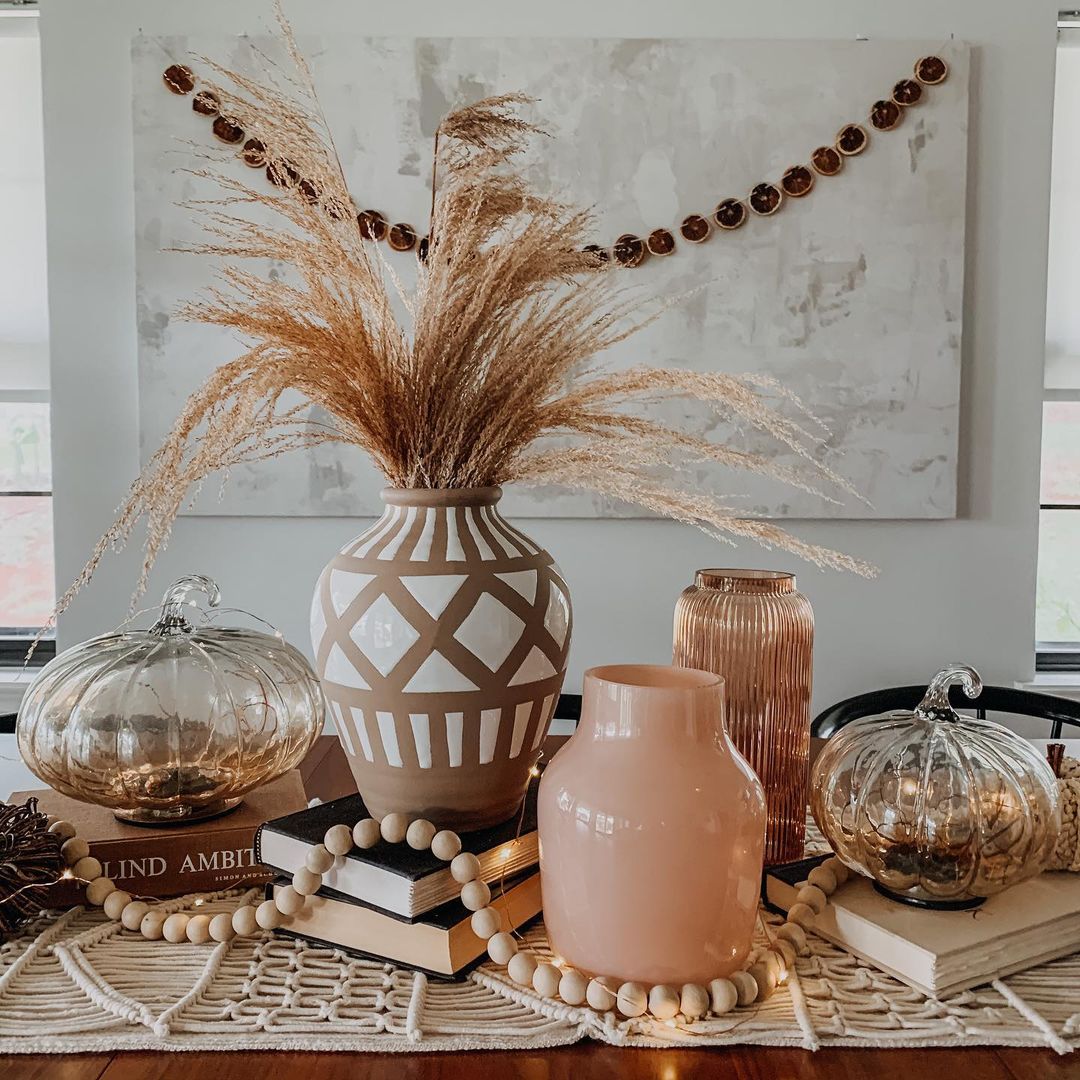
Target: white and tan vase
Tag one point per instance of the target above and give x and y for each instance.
(441, 636)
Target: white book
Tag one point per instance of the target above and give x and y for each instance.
(943, 952)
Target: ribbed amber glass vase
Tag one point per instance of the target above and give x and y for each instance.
(756, 629)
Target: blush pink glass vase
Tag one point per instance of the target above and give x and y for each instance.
(652, 827)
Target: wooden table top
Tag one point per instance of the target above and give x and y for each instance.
(327, 776)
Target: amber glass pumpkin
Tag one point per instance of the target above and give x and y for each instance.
(174, 723)
(941, 810)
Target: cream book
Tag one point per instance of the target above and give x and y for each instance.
(441, 942)
(943, 952)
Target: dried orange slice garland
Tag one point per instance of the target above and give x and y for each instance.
(629, 249)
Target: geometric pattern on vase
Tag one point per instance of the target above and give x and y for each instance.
(441, 636)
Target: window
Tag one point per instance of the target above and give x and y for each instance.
(27, 588)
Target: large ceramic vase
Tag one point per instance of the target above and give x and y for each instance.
(441, 636)
(651, 832)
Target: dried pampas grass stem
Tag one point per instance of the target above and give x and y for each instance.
(494, 379)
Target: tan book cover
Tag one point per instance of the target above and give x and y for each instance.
(171, 860)
(442, 942)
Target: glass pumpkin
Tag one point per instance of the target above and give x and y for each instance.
(940, 810)
(174, 723)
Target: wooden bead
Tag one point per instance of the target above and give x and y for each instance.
(115, 903)
(98, 890)
(475, 895)
(823, 878)
(198, 929)
(338, 840)
(501, 947)
(74, 849)
(445, 845)
(133, 914)
(545, 980)
(394, 827)
(267, 915)
(420, 834)
(787, 952)
(801, 915)
(221, 927)
(723, 996)
(152, 925)
(243, 921)
(288, 900)
(813, 897)
(838, 868)
(763, 974)
(600, 994)
(796, 935)
(465, 867)
(572, 987)
(485, 923)
(694, 1001)
(175, 928)
(664, 1002)
(305, 882)
(631, 999)
(320, 859)
(87, 868)
(521, 968)
(62, 828)
(775, 962)
(366, 833)
(745, 987)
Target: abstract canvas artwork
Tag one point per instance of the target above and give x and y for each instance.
(851, 297)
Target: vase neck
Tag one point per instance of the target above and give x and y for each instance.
(434, 498)
(652, 703)
(751, 582)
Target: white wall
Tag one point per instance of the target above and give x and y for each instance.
(1062, 310)
(955, 590)
(24, 331)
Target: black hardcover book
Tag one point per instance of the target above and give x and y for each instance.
(441, 943)
(394, 877)
(791, 874)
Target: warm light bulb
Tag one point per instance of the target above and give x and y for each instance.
(199, 902)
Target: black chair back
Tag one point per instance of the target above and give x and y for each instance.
(996, 699)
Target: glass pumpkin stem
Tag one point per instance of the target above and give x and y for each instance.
(935, 703)
(173, 620)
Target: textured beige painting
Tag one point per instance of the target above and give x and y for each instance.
(852, 296)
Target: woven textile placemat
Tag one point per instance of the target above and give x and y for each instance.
(81, 983)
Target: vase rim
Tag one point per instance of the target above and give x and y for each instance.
(745, 581)
(437, 497)
(658, 678)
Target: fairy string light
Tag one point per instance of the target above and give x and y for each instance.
(763, 972)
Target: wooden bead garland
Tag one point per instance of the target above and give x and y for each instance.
(768, 968)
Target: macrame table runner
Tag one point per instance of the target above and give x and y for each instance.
(81, 983)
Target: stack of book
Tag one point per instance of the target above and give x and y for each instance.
(943, 952)
(392, 903)
(169, 860)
